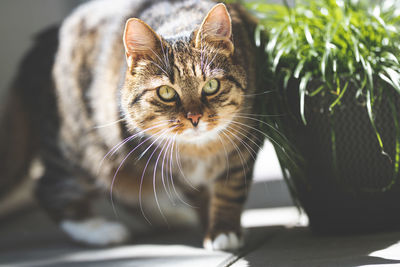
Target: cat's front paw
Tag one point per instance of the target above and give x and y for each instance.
(223, 241)
(96, 231)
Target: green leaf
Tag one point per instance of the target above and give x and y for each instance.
(390, 57)
(308, 35)
(355, 47)
(369, 73)
(286, 79)
(372, 119)
(302, 92)
(394, 77)
(315, 92)
(272, 43)
(276, 60)
(299, 68)
(397, 146)
(389, 81)
(257, 34)
(337, 100)
(323, 64)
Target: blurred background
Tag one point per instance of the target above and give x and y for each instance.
(19, 22)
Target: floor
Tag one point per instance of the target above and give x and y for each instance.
(276, 235)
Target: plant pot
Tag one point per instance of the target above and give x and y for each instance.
(348, 184)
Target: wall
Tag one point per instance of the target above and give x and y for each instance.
(20, 20)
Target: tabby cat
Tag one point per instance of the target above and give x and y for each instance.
(156, 110)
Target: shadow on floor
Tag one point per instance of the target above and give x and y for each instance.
(298, 246)
(28, 238)
(33, 241)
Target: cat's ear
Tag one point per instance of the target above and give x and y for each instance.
(216, 29)
(140, 41)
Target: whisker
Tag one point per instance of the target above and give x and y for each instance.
(144, 152)
(154, 188)
(166, 185)
(262, 93)
(206, 63)
(157, 55)
(239, 154)
(178, 161)
(158, 125)
(168, 57)
(169, 167)
(263, 122)
(247, 146)
(201, 52)
(245, 134)
(212, 60)
(226, 159)
(120, 165)
(261, 115)
(162, 170)
(156, 164)
(164, 55)
(165, 72)
(112, 123)
(172, 180)
(267, 136)
(114, 148)
(126, 140)
(108, 124)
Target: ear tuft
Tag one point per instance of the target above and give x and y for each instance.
(216, 29)
(139, 40)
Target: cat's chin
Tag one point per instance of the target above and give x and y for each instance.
(196, 140)
(200, 135)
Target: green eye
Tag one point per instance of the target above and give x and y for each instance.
(166, 93)
(211, 87)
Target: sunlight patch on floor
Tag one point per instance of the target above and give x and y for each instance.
(288, 216)
(140, 255)
(389, 253)
(267, 165)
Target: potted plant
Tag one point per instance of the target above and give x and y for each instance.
(335, 67)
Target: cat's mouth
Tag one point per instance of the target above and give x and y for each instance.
(202, 133)
(199, 130)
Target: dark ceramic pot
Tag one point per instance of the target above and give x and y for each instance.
(349, 185)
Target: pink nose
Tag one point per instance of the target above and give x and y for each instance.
(194, 118)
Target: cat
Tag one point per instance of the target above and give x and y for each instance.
(147, 100)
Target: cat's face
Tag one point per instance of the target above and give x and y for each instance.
(187, 88)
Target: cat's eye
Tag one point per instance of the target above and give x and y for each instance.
(166, 93)
(211, 87)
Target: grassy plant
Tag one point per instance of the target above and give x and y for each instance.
(339, 44)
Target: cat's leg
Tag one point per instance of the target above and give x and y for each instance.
(227, 199)
(66, 198)
(200, 199)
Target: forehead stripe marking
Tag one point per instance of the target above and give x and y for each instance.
(194, 69)
(233, 80)
(139, 96)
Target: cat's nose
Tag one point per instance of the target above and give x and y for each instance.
(194, 117)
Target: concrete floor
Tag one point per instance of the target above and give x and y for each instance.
(276, 235)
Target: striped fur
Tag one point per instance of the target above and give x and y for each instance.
(102, 101)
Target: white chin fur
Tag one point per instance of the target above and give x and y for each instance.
(200, 135)
(226, 241)
(96, 231)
